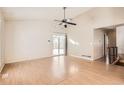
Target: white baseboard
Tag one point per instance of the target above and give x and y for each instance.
(26, 59)
(82, 57)
(1, 68)
(15, 60)
(98, 58)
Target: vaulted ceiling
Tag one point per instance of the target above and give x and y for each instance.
(37, 13)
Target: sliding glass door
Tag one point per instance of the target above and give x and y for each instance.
(59, 44)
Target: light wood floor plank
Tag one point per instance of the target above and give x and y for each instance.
(61, 70)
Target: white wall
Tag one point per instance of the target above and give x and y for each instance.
(120, 39)
(81, 37)
(2, 36)
(98, 44)
(28, 39)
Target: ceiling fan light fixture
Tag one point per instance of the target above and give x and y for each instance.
(68, 20)
(63, 24)
(65, 21)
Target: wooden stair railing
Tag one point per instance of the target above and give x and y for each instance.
(113, 55)
(116, 61)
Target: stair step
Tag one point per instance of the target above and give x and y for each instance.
(120, 64)
(121, 61)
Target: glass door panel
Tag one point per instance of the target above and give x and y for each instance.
(59, 44)
(62, 45)
(55, 45)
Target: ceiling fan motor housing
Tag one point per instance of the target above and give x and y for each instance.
(65, 26)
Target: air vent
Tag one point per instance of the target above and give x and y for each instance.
(86, 56)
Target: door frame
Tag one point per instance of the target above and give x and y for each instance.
(66, 44)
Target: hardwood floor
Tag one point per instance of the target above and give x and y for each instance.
(61, 70)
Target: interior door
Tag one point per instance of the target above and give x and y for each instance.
(59, 44)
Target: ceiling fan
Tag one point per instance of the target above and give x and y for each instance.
(65, 21)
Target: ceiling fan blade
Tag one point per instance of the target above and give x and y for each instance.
(60, 23)
(70, 23)
(58, 20)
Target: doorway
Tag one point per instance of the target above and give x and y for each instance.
(109, 39)
(59, 44)
(104, 38)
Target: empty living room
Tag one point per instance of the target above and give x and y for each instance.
(61, 45)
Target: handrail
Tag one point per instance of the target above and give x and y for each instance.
(112, 54)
